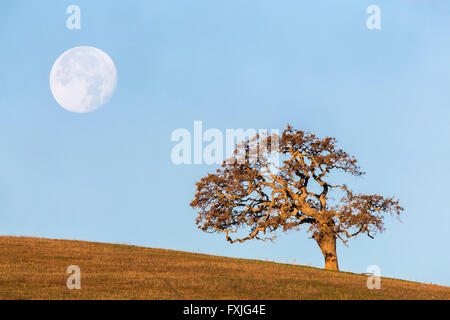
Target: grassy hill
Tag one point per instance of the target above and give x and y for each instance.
(34, 268)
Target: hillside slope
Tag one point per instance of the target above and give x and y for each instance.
(34, 268)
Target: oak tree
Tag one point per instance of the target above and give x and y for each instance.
(252, 197)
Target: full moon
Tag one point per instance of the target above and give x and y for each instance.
(83, 79)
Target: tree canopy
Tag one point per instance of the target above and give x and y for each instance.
(252, 197)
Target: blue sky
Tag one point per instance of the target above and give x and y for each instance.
(107, 176)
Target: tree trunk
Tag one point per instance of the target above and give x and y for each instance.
(327, 244)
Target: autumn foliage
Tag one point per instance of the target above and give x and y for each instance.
(253, 197)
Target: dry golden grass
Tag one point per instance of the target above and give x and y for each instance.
(34, 268)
